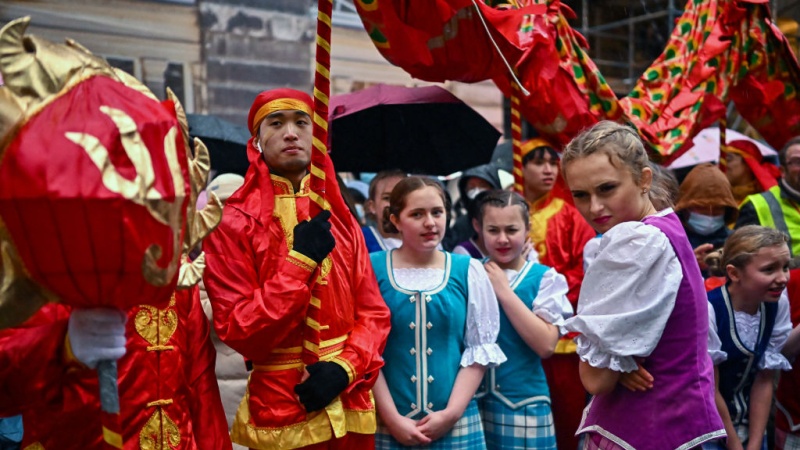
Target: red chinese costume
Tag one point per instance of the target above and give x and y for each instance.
(260, 289)
(168, 390)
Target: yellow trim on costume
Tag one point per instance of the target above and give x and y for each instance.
(320, 426)
(34, 446)
(301, 260)
(315, 302)
(315, 325)
(347, 366)
(295, 363)
(310, 346)
(161, 402)
(565, 345)
(160, 348)
(281, 104)
(69, 356)
(112, 438)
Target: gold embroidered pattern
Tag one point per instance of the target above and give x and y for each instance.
(157, 326)
(539, 219)
(34, 446)
(159, 433)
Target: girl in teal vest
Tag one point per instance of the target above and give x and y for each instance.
(445, 322)
(748, 325)
(515, 399)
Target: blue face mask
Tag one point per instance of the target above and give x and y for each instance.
(705, 225)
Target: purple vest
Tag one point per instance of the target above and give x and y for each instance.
(679, 411)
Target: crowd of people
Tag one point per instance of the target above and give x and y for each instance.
(606, 306)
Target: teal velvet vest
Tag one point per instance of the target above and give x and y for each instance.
(424, 348)
(520, 380)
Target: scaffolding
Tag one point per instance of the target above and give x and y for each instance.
(626, 36)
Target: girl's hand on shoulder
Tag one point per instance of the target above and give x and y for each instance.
(638, 380)
(497, 277)
(527, 248)
(437, 424)
(406, 432)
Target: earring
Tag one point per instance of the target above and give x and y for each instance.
(644, 191)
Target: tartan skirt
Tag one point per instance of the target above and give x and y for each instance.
(785, 440)
(467, 434)
(529, 427)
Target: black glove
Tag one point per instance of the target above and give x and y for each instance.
(313, 238)
(326, 380)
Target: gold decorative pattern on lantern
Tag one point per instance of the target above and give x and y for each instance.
(160, 432)
(157, 326)
(141, 190)
(199, 224)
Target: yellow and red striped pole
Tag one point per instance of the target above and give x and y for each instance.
(322, 90)
(319, 161)
(516, 137)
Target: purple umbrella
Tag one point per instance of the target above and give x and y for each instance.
(419, 130)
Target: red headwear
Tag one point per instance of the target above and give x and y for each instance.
(766, 174)
(265, 104)
(268, 102)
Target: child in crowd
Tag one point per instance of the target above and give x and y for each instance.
(642, 311)
(748, 325)
(380, 188)
(445, 322)
(515, 399)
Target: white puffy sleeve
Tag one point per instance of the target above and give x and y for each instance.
(483, 321)
(773, 359)
(627, 297)
(714, 344)
(551, 303)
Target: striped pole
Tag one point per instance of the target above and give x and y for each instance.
(516, 137)
(723, 143)
(319, 160)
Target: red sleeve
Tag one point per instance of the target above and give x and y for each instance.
(372, 321)
(31, 363)
(251, 316)
(582, 232)
(208, 418)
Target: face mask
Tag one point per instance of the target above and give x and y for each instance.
(705, 225)
(472, 193)
(360, 210)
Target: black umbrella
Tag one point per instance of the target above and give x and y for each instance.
(419, 130)
(226, 142)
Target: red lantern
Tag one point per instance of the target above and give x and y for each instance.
(93, 194)
(97, 189)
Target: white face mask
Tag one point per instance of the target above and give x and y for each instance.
(472, 193)
(705, 225)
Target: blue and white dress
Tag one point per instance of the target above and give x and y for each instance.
(740, 345)
(514, 398)
(442, 320)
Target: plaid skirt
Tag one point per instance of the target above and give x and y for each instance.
(786, 441)
(529, 427)
(467, 434)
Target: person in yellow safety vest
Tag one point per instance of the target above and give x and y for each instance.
(779, 206)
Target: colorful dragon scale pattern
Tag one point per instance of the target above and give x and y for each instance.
(720, 51)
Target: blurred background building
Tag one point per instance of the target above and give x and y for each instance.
(218, 54)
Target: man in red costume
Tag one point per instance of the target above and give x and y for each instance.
(168, 390)
(264, 262)
(558, 233)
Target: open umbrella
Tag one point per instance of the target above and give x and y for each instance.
(705, 147)
(226, 142)
(419, 130)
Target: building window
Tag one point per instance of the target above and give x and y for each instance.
(173, 79)
(126, 65)
(345, 14)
